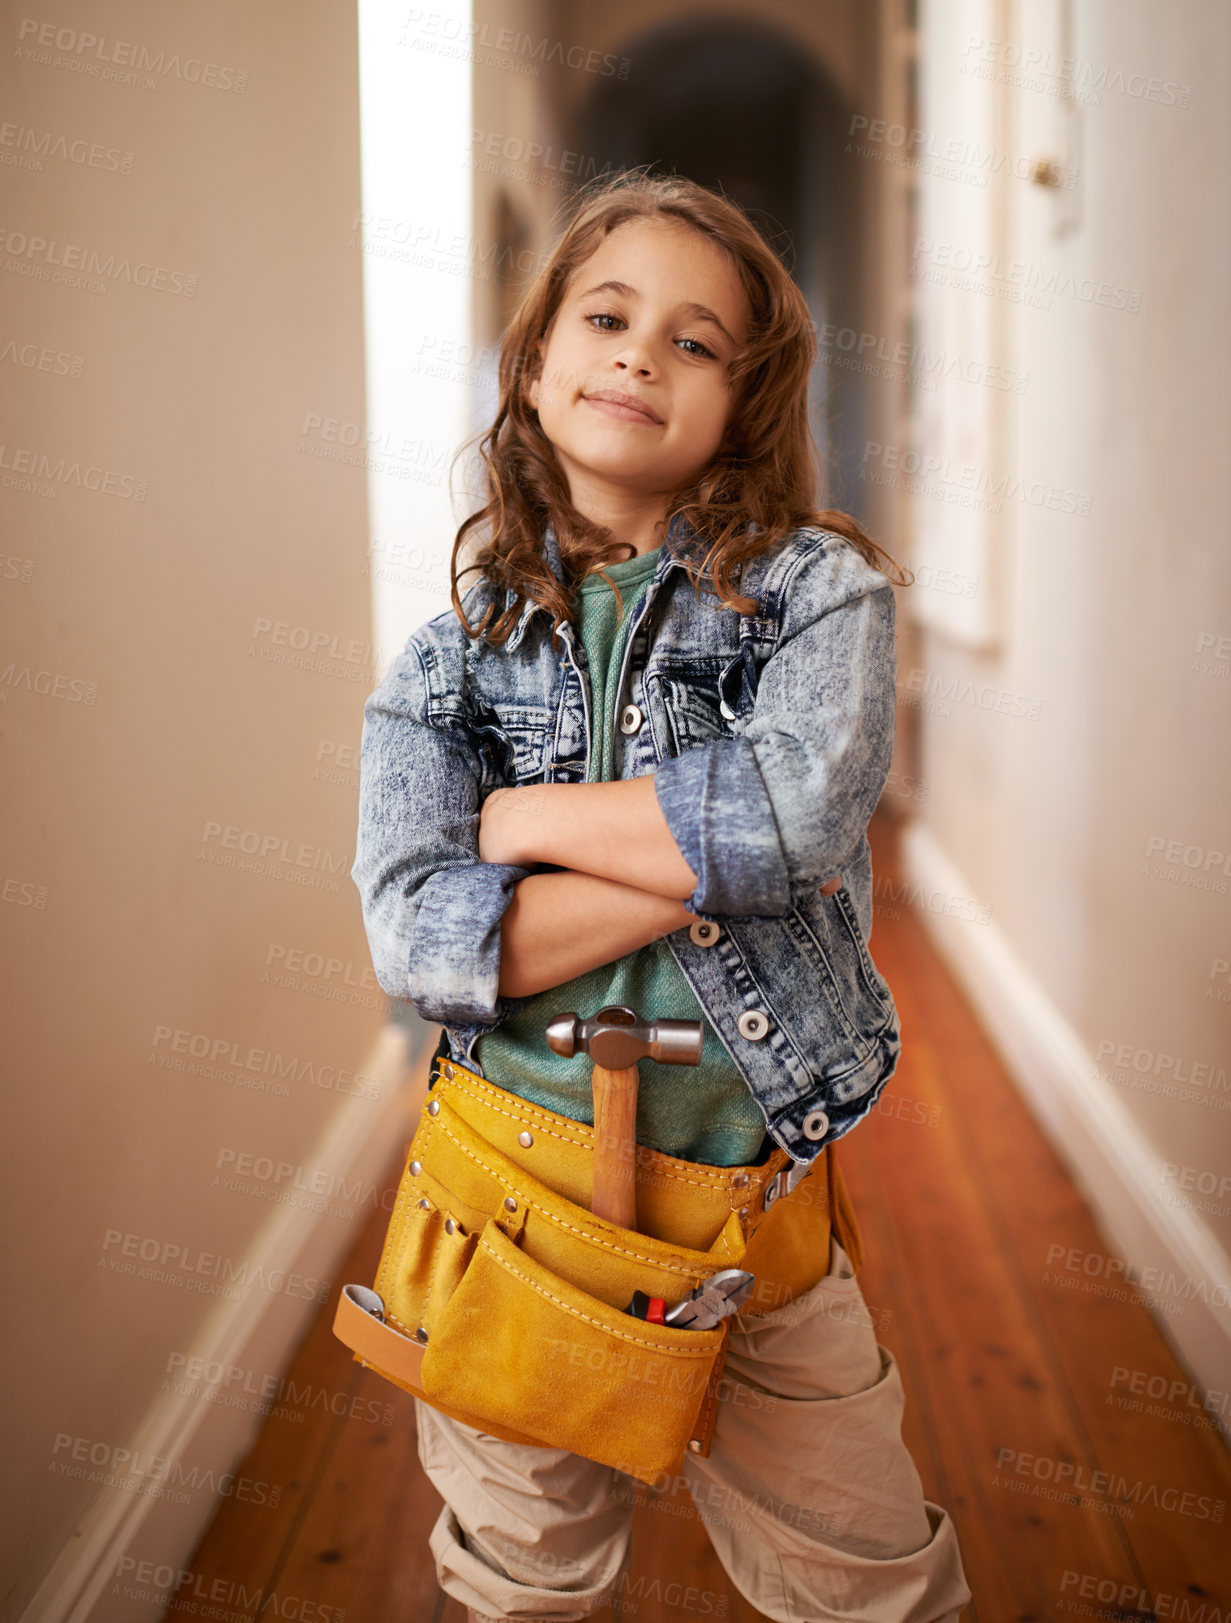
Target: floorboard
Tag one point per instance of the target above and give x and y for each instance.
(1071, 1495)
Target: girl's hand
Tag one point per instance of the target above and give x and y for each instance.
(507, 822)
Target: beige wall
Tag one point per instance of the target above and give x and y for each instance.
(121, 920)
(1110, 621)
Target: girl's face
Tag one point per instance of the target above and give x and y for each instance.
(633, 391)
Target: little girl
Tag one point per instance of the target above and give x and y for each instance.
(588, 784)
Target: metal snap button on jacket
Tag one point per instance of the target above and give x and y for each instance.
(630, 718)
(704, 932)
(753, 1024)
(815, 1124)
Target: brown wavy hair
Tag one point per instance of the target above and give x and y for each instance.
(767, 470)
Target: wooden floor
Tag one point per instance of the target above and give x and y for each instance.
(963, 1206)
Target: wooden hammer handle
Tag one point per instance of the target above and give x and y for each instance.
(614, 1195)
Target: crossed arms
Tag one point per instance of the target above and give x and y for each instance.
(458, 919)
(624, 887)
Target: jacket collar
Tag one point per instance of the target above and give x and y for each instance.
(681, 542)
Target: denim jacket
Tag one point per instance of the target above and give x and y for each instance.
(769, 737)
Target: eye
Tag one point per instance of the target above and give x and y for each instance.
(701, 348)
(600, 317)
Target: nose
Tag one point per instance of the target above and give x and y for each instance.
(639, 364)
(637, 357)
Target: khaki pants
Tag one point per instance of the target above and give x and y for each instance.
(809, 1496)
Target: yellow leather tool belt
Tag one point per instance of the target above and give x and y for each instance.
(499, 1298)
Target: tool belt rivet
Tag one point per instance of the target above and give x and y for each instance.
(525, 1140)
(421, 1334)
(415, 1168)
(510, 1205)
(694, 1444)
(447, 1071)
(433, 1108)
(450, 1225)
(425, 1204)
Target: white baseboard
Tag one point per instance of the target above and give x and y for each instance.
(258, 1331)
(1168, 1250)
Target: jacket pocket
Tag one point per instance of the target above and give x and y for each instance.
(827, 934)
(694, 698)
(516, 738)
(872, 977)
(737, 688)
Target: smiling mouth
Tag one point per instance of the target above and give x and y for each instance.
(626, 409)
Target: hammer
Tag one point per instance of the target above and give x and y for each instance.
(615, 1040)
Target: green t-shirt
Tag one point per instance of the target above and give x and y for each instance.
(702, 1112)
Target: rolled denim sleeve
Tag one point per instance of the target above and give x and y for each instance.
(783, 803)
(431, 908)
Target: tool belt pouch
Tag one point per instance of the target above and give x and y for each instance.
(501, 1297)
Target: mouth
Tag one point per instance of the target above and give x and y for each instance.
(619, 403)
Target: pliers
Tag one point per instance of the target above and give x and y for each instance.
(714, 1299)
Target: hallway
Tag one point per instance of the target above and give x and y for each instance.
(264, 266)
(1030, 1377)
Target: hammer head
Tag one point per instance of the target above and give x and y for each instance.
(616, 1038)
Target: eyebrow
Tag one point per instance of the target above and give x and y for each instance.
(701, 311)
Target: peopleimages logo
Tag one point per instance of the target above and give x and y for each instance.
(1170, 1397)
(1073, 1478)
(126, 61)
(451, 36)
(226, 1052)
(77, 263)
(205, 1595)
(122, 1467)
(233, 1386)
(1016, 281)
(1126, 1598)
(58, 470)
(1171, 1067)
(964, 483)
(1099, 1273)
(167, 1262)
(1032, 66)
